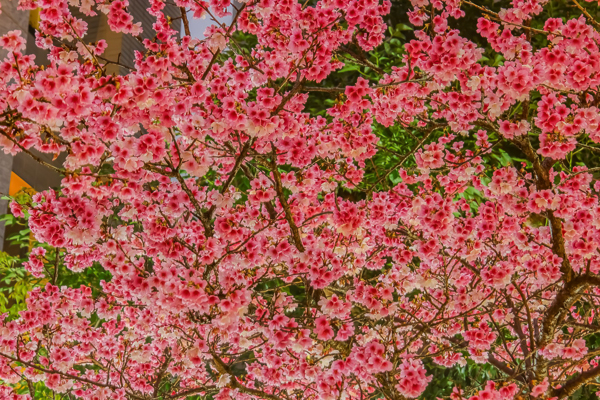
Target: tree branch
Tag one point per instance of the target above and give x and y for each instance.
(543, 183)
(587, 14)
(186, 23)
(573, 384)
(223, 369)
(286, 207)
(557, 311)
(216, 55)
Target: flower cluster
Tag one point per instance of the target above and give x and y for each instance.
(250, 249)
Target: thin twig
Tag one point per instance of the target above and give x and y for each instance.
(214, 58)
(586, 13)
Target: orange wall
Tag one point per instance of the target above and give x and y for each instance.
(16, 184)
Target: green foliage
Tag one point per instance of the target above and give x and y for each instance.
(16, 282)
(469, 378)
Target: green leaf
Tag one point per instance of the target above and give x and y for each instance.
(403, 27)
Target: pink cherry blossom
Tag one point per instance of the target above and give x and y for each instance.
(12, 41)
(438, 212)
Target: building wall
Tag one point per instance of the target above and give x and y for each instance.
(5, 172)
(120, 47)
(11, 19)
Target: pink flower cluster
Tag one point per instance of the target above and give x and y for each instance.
(256, 250)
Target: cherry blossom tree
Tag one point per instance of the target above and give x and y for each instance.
(249, 254)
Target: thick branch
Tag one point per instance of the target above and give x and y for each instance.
(573, 384)
(562, 303)
(557, 311)
(186, 23)
(543, 182)
(286, 207)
